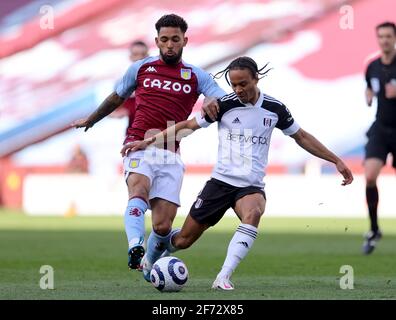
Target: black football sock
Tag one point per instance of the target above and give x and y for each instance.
(372, 203)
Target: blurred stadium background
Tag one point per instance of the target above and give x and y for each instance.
(51, 77)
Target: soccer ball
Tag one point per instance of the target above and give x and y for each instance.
(169, 274)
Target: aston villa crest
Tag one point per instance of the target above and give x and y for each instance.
(185, 74)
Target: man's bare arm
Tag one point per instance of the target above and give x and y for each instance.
(177, 132)
(112, 102)
(308, 142)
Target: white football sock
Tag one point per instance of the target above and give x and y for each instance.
(238, 248)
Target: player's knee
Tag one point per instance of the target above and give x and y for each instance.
(138, 192)
(162, 228)
(371, 180)
(252, 216)
(371, 174)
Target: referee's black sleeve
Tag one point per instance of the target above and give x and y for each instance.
(207, 118)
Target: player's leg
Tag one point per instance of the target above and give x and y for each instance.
(372, 169)
(164, 200)
(163, 214)
(209, 207)
(189, 233)
(178, 239)
(249, 209)
(138, 190)
(375, 158)
(138, 175)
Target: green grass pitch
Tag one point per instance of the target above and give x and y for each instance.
(293, 258)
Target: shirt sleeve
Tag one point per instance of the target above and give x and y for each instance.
(203, 122)
(286, 122)
(117, 83)
(127, 84)
(207, 85)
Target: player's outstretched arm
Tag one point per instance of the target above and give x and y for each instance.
(176, 132)
(112, 102)
(308, 142)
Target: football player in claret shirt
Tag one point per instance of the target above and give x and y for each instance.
(381, 82)
(166, 89)
(246, 120)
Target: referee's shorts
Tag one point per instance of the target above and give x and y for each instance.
(381, 142)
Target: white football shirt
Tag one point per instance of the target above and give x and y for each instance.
(244, 137)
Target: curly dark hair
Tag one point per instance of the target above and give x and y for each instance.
(243, 63)
(171, 20)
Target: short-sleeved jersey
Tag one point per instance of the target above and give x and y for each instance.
(244, 137)
(377, 75)
(164, 93)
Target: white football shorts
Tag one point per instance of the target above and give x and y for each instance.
(164, 168)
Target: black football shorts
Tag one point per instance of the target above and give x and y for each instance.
(381, 142)
(216, 198)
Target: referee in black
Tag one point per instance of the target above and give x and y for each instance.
(381, 83)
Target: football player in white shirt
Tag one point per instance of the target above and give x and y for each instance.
(246, 119)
